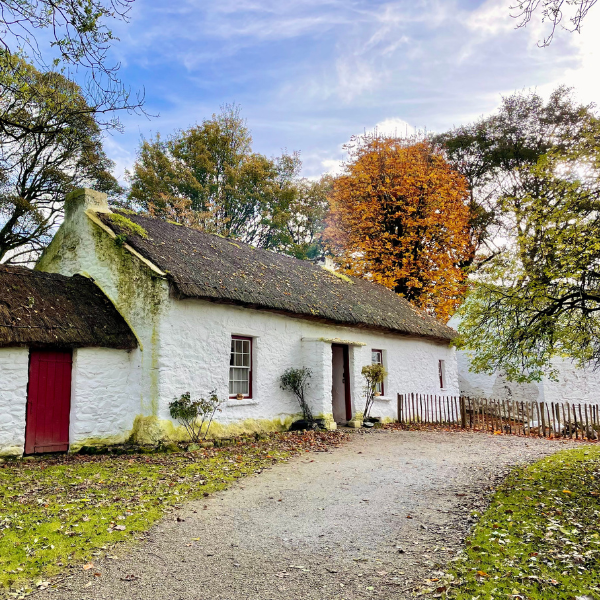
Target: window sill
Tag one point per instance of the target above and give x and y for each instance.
(244, 402)
(382, 398)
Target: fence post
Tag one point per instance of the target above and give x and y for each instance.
(543, 419)
(587, 423)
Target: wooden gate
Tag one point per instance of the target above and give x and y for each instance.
(48, 402)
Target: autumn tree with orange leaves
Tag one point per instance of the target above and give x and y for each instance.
(400, 217)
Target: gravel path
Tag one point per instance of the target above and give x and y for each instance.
(323, 526)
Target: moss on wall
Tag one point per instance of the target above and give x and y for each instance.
(151, 429)
(141, 295)
(62, 248)
(330, 423)
(11, 452)
(110, 440)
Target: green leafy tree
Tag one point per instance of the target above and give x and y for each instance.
(209, 177)
(492, 151)
(43, 164)
(538, 296)
(306, 218)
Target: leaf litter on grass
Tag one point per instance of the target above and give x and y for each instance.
(538, 540)
(64, 511)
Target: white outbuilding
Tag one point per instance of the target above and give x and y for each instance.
(65, 363)
(571, 383)
(210, 313)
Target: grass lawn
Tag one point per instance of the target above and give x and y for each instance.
(64, 511)
(540, 538)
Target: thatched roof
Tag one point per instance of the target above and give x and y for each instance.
(200, 265)
(46, 309)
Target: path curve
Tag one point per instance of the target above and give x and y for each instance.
(326, 526)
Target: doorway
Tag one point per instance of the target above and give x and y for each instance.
(48, 402)
(340, 389)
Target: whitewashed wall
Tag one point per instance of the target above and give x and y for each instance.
(481, 385)
(14, 375)
(103, 401)
(574, 384)
(194, 356)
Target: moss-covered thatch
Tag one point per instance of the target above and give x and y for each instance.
(46, 309)
(200, 265)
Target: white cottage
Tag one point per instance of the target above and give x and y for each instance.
(210, 313)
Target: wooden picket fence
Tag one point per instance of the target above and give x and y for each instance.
(528, 418)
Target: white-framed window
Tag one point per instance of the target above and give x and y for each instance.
(377, 359)
(240, 367)
(442, 373)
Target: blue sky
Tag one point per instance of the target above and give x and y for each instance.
(309, 74)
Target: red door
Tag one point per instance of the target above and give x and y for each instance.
(48, 402)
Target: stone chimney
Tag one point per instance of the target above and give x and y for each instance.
(326, 262)
(84, 198)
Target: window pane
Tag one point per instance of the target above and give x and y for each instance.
(239, 381)
(240, 362)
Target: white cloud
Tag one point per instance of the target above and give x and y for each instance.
(311, 73)
(332, 166)
(584, 77)
(120, 154)
(395, 127)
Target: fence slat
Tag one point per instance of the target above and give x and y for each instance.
(569, 423)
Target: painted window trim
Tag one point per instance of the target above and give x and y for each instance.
(382, 390)
(250, 370)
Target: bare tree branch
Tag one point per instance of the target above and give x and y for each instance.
(553, 12)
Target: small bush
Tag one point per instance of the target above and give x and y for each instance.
(373, 375)
(194, 414)
(296, 381)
